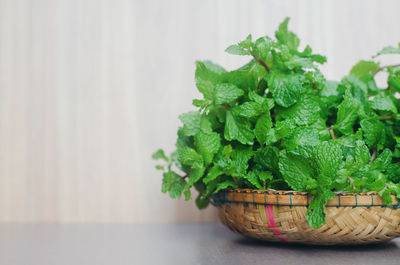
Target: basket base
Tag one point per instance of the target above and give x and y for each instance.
(344, 225)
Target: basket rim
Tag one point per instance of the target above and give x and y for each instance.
(297, 198)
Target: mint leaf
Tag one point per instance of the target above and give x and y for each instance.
(238, 129)
(196, 173)
(176, 189)
(384, 103)
(207, 76)
(248, 109)
(285, 37)
(237, 50)
(238, 164)
(347, 114)
(262, 47)
(173, 184)
(226, 93)
(327, 158)
(316, 213)
(364, 68)
(302, 136)
(296, 171)
(394, 81)
(207, 145)
(247, 43)
(188, 156)
(389, 50)
(202, 201)
(224, 185)
(304, 112)
(159, 154)
(252, 177)
(191, 122)
(201, 103)
(262, 128)
(213, 173)
(374, 133)
(286, 88)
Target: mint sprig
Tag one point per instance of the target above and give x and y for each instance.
(277, 123)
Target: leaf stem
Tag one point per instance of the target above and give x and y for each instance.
(332, 133)
(373, 155)
(183, 178)
(386, 66)
(351, 180)
(235, 180)
(386, 117)
(260, 61)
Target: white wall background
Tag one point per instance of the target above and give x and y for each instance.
(90, 88)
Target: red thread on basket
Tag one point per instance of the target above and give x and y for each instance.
(269, 214)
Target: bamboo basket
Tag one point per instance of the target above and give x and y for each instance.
(280, 216)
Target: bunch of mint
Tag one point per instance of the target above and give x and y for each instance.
(276, 123)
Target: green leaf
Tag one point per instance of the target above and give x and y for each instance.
(207, 76)
(226, 93)
(262, 128)
(173, 184)
(382, 102)
(304, 112)
(394, 81)
(385, 194)
(286, 37)
(330, 89)
(374, 133)
(176, 189)
(248, 109)
(202, 201)
(239, 129)
(347, 114)
(357, 88)
(201, 103)
(247, 43)
(213, 173)
(168, 179)
(364, 68)
(302, 136)
(286, 88)
(296, 171)
(239, 163)
(237, 50)
(316, 213)
(207, 145)
(297, 62)
(159, 154)
(196, 173)
(188, 156)
(383, 160)
(187, 193)
(284, 128)
(160, 167)
(252, 177)
(224, 185)
(191, 122)
(327, 158)
(389, 50)
(262, 47)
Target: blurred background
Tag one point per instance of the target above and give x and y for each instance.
(89, 89)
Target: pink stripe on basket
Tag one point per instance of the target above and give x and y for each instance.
(269, 214)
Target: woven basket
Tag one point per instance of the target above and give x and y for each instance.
(280, 216)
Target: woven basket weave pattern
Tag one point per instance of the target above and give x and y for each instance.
(280, 216)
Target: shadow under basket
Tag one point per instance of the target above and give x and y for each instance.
(271, 215)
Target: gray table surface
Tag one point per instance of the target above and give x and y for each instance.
(42, 244)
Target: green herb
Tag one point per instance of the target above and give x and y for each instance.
(276, 123)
